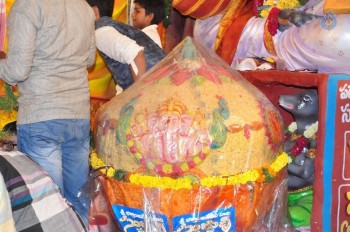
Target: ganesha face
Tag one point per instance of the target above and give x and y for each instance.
(169, 123)
(169, 138)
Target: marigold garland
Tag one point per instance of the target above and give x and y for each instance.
(96, 163)
(161, 182)
(261, 175)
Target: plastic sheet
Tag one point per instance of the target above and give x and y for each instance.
(194, 147)
(96, 204)
(250, 207)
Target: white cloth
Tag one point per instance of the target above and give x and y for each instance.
(152, 32)
(116, 45)
(120, 47)
(312, 46)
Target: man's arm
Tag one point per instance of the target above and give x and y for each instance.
(21, 45)
(122, 49)
(116, 45)
(140, 63)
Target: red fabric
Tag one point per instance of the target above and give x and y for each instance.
(203, 10)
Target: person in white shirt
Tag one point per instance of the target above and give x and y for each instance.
(129, 51)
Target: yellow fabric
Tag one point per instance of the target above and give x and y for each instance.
(268, 41)
(120, 10)
(99, 76)
(229, 41)
(337, 6)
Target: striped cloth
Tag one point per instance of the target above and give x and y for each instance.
(36, 202)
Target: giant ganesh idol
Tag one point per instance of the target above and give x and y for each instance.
(194, 147)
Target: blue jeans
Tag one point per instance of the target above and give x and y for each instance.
(61, 147)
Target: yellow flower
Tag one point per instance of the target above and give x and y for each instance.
(7, 117)
(184, 167)
(183, 183)
(165, 182)
(167, 168)
(161, 182)
(213, 181)
(197, 160)
(233, 180)
(280, 162)
(110, 172)
(264, 13)
(134, 178)
(281, 4)
(288, 4)
(138, 155)
(249, 176)
(97, 163)
(206, 150)
(271, 60)
(130, 143)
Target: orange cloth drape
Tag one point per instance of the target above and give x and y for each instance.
(231, 29)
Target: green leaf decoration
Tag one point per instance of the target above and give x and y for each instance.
(120, 175)
(268, 177)
(9, 102)
(167, 9)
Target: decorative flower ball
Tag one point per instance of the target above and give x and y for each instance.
(189, 115)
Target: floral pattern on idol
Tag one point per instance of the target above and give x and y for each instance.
(169, 140)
